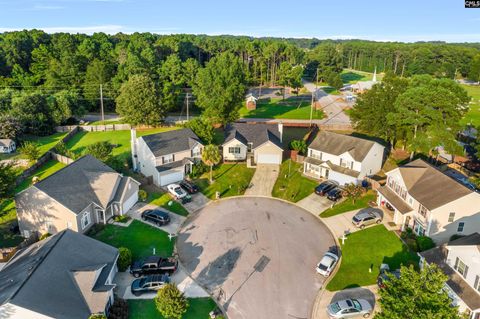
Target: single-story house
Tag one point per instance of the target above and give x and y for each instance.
(76, 197)
(7, 145)
(66, 276)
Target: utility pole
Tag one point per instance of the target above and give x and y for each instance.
(311, 110)
(188, 94)
(101, 104)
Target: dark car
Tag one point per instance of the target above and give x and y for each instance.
(325, 187)
(149, 284)
(189, 187)
(156, 216)
(384, 276)
(334, 194)
(153, 265)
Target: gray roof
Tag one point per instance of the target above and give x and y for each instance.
(171, 142)
(394, 200)
(470, 240)
(257, 134)
(171, 165)
(424, 183)
(84, 181)
(337, 144)
(56, 276)
(6, 142)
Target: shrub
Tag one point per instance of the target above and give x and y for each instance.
(96, 228)
(97, 316)
(119, 309)
(100, 150)
(46, 235)
(62, 149)
(424, 243)
(198, 169)
(142, 195)
(121, 218)
(299, 145)
(30, 150)
(170, 302)
(124, 258)
(412, 244)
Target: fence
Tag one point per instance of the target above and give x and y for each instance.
(110, 127)
(7, 253)
(62, 159)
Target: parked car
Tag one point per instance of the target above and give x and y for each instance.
(350, 308)
(327, 263)
(189, 187)
(176, 191)
(325, 187)
(148, 284)
(367, 216)
(156, 216)
(153, 265)
(385, 275)
(334, 194)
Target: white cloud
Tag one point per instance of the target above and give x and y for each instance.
(41, 7)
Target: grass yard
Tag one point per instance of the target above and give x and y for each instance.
(350, 76)
(347, 205)
(107, 122)
(47, 169)
(139, 237)
(228, 179)
(369, 248)
(163, 199)
(291, 185)
(278, 109)
(199, 308)
(473, 115)
(44, 144)
(121, 139)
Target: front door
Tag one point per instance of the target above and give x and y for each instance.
(101, 215)
(326, 172)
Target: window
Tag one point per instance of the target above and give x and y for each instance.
(234, 150)
(85, 219)
(346, 163)
(250, 145)
(451, 217)
(168, 159)
(196, 152)
(422, 210)
(461, 267)
(316, 154)
(476, 285)
(461, 225)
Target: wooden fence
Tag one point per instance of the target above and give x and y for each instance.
(7, 253)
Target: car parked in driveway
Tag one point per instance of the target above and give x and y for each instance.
(189, 187)
(153, 265)
(147, 284)
(350, 308)
(176, 191)
(334, 194)
(327, 263)
(367, 216)
(325, 187)
(156, 216)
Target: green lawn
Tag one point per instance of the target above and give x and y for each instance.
(279, 109)
(353, 76)
(107, 122)
(44, 144)
(139, 237)
(229, 180)
(163, 200)
(47, 169)
(473, 115)
(121, 139)
(348, 205)
(199, 308)
(291, 185)
(369, 248)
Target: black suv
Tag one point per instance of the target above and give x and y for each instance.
(156, 216)
(150, 283)
(189, 187)
(334, 194)
(325, 187)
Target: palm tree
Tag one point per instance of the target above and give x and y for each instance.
(211, 156)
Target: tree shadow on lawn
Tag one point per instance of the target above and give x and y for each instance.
(350, 76)
(405, 257)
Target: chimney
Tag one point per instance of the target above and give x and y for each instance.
(280, 129)
(133, 144)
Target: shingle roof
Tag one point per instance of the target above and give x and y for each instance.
(84, 181)
(470, 240)
(394, 200)
(171, 142)
(338, 144)
(423, 182)
(5, 142)
(257, 134)
(56, 276)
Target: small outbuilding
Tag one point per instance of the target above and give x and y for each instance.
(7, 145)
(251, 102)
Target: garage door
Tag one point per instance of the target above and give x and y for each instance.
(269, 159)
(173, 177)
(127, 204)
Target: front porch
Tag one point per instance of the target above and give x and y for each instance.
(313, 168)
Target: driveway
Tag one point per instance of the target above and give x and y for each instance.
(175, 220)
(315, 204)
(256, 256)
(198, 202)
(263, 180)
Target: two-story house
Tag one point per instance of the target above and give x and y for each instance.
(428, 201)
(76, 197)
(460, 261)
(7, 145)
(342, 158)
(256, 143)
(68, 275)
(166, 157)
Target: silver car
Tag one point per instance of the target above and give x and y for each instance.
(326, 265)
(367, 216)
(350, 308)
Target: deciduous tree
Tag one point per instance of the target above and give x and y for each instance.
(170, 302)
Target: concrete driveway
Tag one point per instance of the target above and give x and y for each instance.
(263, 180)
(175, 220)
(198, 202)
(315, 204)
(256, 256)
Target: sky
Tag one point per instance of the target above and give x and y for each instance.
(402, 20)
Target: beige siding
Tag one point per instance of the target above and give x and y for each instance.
(38, 212)
(132, 188)
(235, 157)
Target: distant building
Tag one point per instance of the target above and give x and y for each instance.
(7, 145)
(251, 102)
(362, 86)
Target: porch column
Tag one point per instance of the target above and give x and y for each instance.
(104, 219)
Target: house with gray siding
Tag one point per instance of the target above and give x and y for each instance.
(76, 197)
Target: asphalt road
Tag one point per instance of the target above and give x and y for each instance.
(256, 255)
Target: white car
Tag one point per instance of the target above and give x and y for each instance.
(176, 191)
(326, 265)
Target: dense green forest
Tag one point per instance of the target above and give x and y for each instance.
(45, 79)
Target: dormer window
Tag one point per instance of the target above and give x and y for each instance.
(167, 159)
(346, 163)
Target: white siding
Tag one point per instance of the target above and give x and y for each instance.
(268, 153)
(11, 311)
(235, 157)
(372, 163)
(171, 176)
(470, 256)
(341, 179)
(146, 160)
